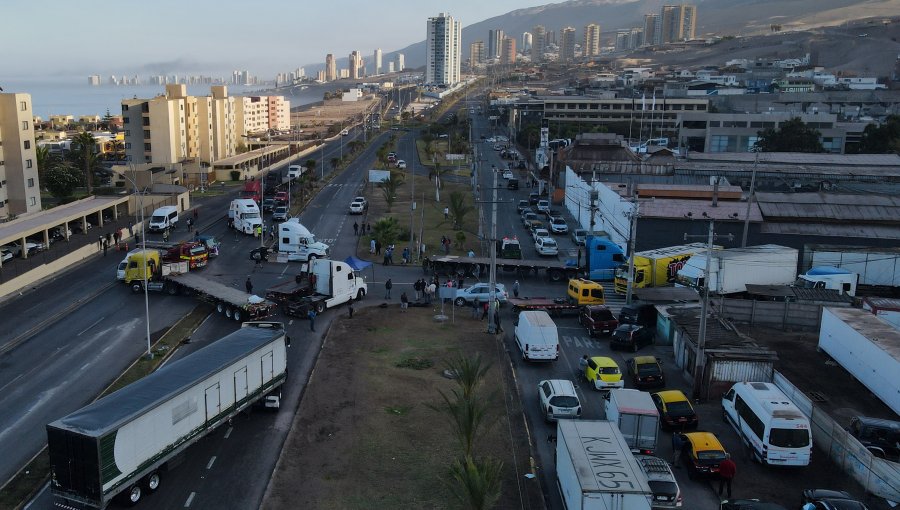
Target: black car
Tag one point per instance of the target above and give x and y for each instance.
(523, 204)
(642, 315)
(512, 184)
(534, 197)
(268, 204)
(749, 504)
(879, 436)
(826, 499)
(631, 337)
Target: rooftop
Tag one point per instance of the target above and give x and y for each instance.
(875, 329)
(34, 223)
(830, 206)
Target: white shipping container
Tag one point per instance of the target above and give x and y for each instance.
(733, 269)
(875, 266)
(867, 347)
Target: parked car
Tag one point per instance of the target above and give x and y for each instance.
(359, 205)
(512, 184)
(523, 204)
(879, 436)
(268, 204)
(558, 399)
(546, 247)
(826, 499)
(401, 163)
(702, 453)
(534, 197)
(603, 373)
(529, 217)
(543, 206)
(481, 292)
(642, 315)
(631, 337)
(749, 504)
(675, 410)
(666, 493)
(281, 197)
(558, 225)
(5, 254)
(539, 232)
(579, 235)
(507, 174)
(645, 372)
(598, 320)
(280, 214)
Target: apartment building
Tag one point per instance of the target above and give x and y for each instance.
(330, 67)
(652, 29)
(538, 43)
(377, 57)
(495, 41)
(591, 45)
(567, 48)
(20, 191)
(476, 53)
(442, 50)
(508, 51)
(677, 23)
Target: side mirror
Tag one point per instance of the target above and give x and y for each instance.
(287, 341)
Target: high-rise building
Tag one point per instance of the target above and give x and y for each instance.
(258, 114)
(330, 68)
(526, 41)
(591, 45)
(508, 51)
(567, 48)
(538, 42)
(623, 39)
(320, 75)
(635, 38)
(391, 66)
(442, 50)
(21, 191)
(377, 59)
(355, 63)
(495, 41)
(401, 63)
(651, 29)
(476, 53)
(550, 38)
(677, 23)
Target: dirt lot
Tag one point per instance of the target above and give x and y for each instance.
(318, 118)
(364, 436)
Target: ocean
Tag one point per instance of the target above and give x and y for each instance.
(73, 96)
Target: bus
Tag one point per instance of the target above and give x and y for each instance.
(769, 423)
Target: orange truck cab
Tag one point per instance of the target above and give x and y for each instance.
(195, 254)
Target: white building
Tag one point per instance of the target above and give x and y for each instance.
(378, 56)
(401, 63)
(20, 192)
(442, 50)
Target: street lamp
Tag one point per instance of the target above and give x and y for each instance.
(144, 250)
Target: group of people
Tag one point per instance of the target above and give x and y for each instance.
(445, 244)
(105, 240)
(363, 229)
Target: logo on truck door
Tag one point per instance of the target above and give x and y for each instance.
(674, 266)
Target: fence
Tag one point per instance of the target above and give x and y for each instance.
(776, 314)
(878, 476)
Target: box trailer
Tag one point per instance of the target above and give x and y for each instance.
(595, 469)
(122, 443)
(887, 309)
(867, 347)
(636, 416)
(876, 267)
(732, 269)
(657, 268)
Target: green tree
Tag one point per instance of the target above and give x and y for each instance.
(45, 160)
(335, 161)
(386, 231)
(881, 139)
(355, 145)
(381, 154)
(793, 136)
(389, 188)
(61, 180)
(310, 166)
(241, 147)
(478, 482)
(459, 209)
(84, 156)
(468, 373)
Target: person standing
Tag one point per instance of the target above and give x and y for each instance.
(446, 213)
(196, 214)
(100, 243)
(582, 366)
(105, 246)
(166, 235)
(422, 251)
(404, 302)
(476, 305)
(372, 246)
(368, 227)
(355, 228)
(516, 288)
(311, 315)
(727, 470)
(388, 285)
(377, 247)
(429, 292)
(249, 286)
(677, 446)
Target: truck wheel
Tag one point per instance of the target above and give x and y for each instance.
(320, 307)
(360, 294)
(555, 275)
(136, 287)
(228, 312)
(151, 482)
(220, 308)
(255, 256)
(311, 258)
(172, 289)
(237, 314)
(133, 495)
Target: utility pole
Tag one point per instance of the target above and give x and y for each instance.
(493, 270)
(632, 238)
(755, 149)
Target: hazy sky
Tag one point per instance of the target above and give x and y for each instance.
(206, 36)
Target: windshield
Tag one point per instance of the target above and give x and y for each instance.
(564, 401)
(789, 438)
(680, 408)
(198, 250)
(157, 219)
(250, 216)
(622, 271)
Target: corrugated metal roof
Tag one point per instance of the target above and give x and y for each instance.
(832, 230)
(827, 206)
(679, 208)
(799, 158)
(717, 335)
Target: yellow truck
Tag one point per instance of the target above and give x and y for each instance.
(656, 268)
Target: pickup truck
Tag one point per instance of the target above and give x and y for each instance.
(598, 320)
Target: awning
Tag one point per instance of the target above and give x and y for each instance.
(357, 264)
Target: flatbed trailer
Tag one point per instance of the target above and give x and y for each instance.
(289, 290)
(453, 265)
(553, 306)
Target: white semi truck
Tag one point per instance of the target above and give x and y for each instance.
(733, 269)
(120, 445)
(298, 243)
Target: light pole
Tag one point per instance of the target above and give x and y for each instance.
(755, 150)
(144, 269)
(492, 320)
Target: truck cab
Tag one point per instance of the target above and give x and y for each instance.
(299, 243)
(252, 190)
(244, 215)
(828, 277)
(194, 253)
(602, 258)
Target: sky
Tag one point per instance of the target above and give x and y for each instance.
(212, 37)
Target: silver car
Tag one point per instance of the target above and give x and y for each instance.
(666, 493)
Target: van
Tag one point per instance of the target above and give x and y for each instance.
(244, 215)
(295, 171)
(163, 218)
(537, 336)
(773, 427)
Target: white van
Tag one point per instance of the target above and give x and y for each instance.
(295, 171)
(163, 218)
(299, 243)
(536, 336)
(769, 423)
(244, 215)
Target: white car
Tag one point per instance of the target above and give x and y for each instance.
(359, 205)
(666, 493)
(543, 206)
(546, 246)
(539, 233)
(401, 163)
(5, 254)
(558, 399)
(507, 174)
(558, 225)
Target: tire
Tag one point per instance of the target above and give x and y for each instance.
(460, 301)
(228, 312)
(360, 294)
(255, 256)
(151, 482)
(320, 307)
(555, 275)
(237, 314)
(132, 495)
(172, 289)
(220, 307)
(136, 287)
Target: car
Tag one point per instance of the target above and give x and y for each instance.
(534, 197)
(666, 493)
(546, 247)
(498, 147)
(631, 337)
(16, 248)
(523, 204)
(507, 174)
(749, 504)
(532, 225)
(701, 454)
(603, 373)
(268, 204)
(645, 372)
(539, 232)
(675, 410)
(879, 436)
(359, 205)
(598, 320)
(826, 499)
(401, 163)
(512, 184)
(558, 225)
(6, 254)
(345, 132)
(280, 214)
(481, 292)
(528, 217)
(579, 235)
(642, 315)
(281, 197)
(558, 399)
(543, 206)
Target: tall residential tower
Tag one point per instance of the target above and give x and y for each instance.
(442, 47)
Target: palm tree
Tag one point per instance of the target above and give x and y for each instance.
(459, 209)
(468, 416)
(84, 156)
(335, 161)
(468, 373)
(389, 188)
(45, 161)
(386, 231)
(478, 482)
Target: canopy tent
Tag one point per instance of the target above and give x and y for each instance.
(357, 264)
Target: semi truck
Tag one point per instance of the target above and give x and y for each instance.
(732, 269)
(253, 190)
(656, 268)
(244, 215)
(602, 258)
(332, 282)
(878, 268)
(298, 243)
(829, 278)
(122, 444)
(595, 469)
(176, 278)
(195, 253)
(634, 412)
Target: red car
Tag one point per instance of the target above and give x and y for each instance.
(281, 196)
(598, 320)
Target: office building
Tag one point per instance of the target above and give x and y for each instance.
(508, 51)
(677, 23)
(377, 59)
(476, 53)
(401, 63)
(20, 192)
(391, 66)
(355, 63)
(442, 50)
(538, 43)
(567, 48)
(651, 29)
(526, 41)
(495, 41)
(330, 68)
(591, 46)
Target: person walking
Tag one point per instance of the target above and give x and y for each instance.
(677, 447)
(100, 243)
(196, 214)
(446, 213)
(404, 302)
(116, 236)
(405, 255)
(311, 315)
(188, 223)
(582, 366)
(355, 228)
(105, 246)
(249, 286)
(727, 470)
(166, 235)
(388, 285)
(516, 288)
(418, 288)
(476, 305)
(372, 246)
(350, 309)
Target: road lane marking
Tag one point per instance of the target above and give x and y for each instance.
(211, 462)
(98, 321)
(228, 432)
(189, 500)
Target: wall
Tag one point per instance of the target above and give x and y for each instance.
(47, 270)
(774, 314)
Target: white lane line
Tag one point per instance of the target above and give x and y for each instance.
(189, 500)
(91, 326)
(211, 462)
(38, 495)
(228, 432)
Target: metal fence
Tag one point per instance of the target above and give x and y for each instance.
(784, 315)
(878, 476)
